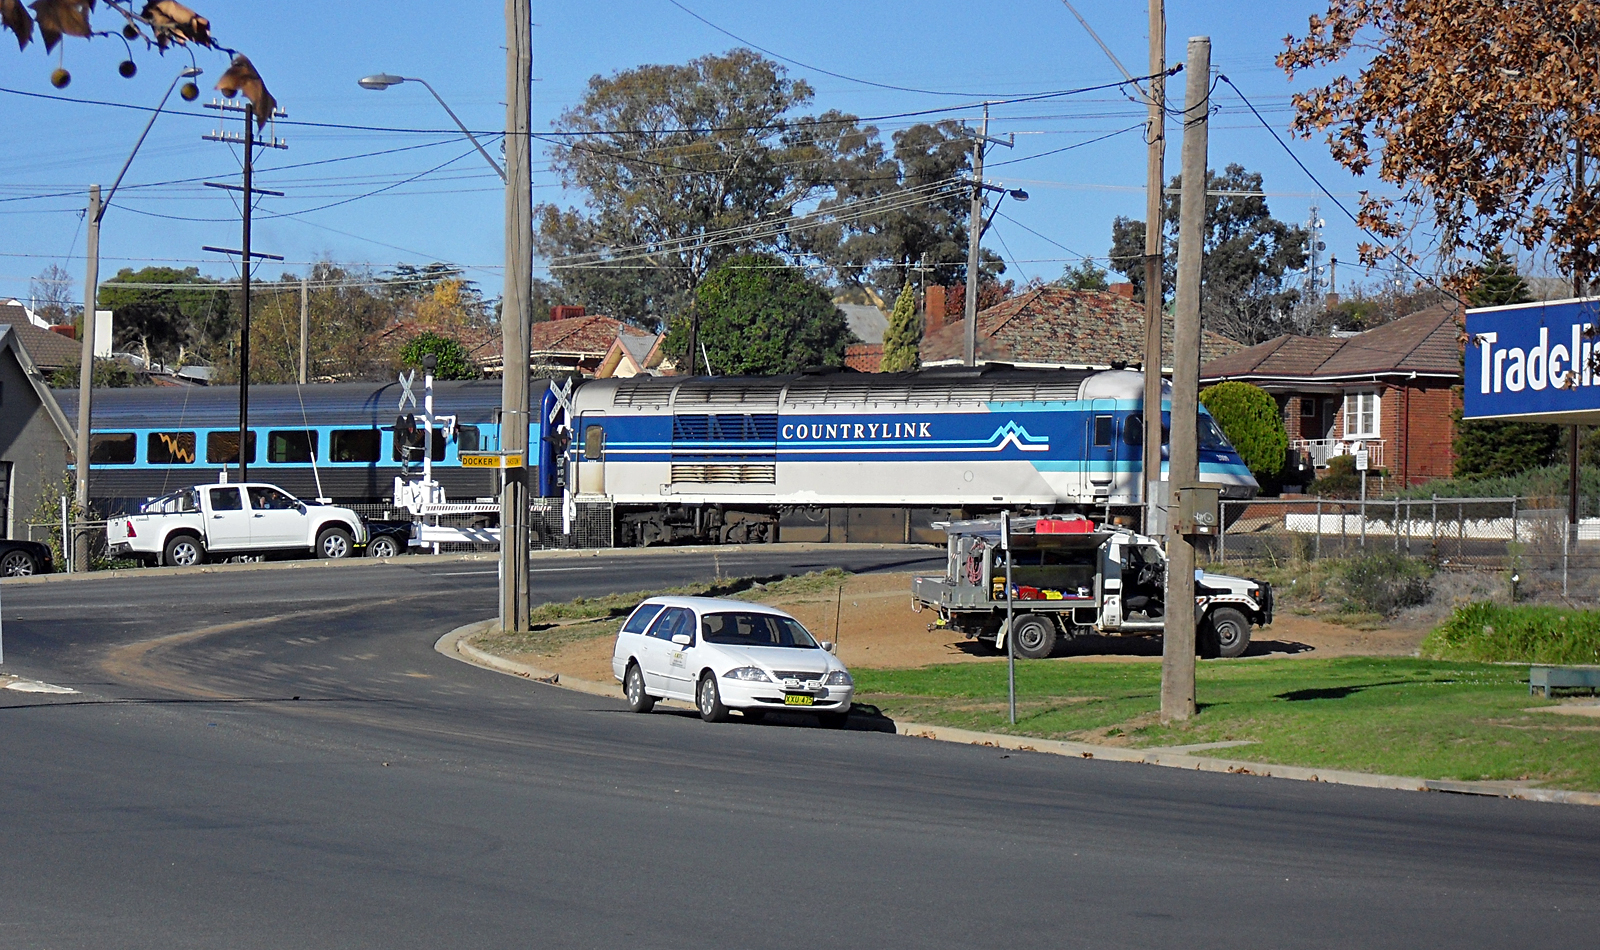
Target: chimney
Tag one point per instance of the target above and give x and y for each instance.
(1122, 290)
(1333, 300)
(932, 309)
(65, 329)
(565, 312)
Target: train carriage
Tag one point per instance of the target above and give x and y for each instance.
(836, 456)
(335, 441)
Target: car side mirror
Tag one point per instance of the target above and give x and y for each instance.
(829, 646)
(682, 639)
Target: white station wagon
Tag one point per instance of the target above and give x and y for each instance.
(728, 654)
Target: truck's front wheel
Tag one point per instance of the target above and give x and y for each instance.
(184, 550)
(334, 543)
(1034, 637)
(1226, 634)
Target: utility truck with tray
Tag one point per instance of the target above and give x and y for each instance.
(230, 520)
(1071, 577)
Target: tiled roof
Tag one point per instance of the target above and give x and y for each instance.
(866, 321)
(49, 351)
(1426, 343)
(590, 335)
(864, 357)
(1056, 326)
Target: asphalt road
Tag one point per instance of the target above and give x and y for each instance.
(281, 759)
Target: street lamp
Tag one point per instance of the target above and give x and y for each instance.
(1016, 193)
(381, 81)
(91, 298)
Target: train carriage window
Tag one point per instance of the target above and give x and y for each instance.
(169, 448)
(222, 448)
(291, 446)
(112, 448)
(354, 445)
(1133, 429)
(468, 439)
(594, 443)
(438, 445)
(1104, 429)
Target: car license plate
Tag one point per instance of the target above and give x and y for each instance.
(797, 699)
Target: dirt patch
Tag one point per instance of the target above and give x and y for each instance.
(872, 619)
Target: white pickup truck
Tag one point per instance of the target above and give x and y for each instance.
(190, 525)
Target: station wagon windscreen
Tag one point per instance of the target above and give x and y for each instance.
(755, 630)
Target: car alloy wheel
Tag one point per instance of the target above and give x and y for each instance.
(334, 543)
(633, 687)
(17, 564)
(709, 699)
(383, 546)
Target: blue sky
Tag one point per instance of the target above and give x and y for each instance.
(312, 54)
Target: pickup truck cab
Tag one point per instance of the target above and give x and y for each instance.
(226, 520)
(1071, 577)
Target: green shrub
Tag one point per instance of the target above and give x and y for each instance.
(1385, 583)
(1249, 417)
(1499, 633)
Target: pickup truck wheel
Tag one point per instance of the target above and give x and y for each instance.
(184, 550)
(334, 543)
(382, 546)
(1034, 637)
(1227, 634)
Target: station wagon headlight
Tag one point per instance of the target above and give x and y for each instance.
(750, 674)
(838, 678)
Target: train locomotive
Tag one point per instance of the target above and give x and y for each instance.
(836, 456)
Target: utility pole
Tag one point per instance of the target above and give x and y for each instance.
(246, 254)
(516, 317)
(1580, 288)
(974, 235)
(305, 323)
(1178, 641)
(1154, 265)
(91, 297)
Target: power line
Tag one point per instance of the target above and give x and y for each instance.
(818, 69)
(1402, 258)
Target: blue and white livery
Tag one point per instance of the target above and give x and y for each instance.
(755, 459)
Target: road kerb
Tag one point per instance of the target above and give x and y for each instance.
(454, 645)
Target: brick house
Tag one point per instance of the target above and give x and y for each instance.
(1391, 390)
(1053, 326)
(565, 344)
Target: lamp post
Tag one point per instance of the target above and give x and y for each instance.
(91, 297)
(382, 81)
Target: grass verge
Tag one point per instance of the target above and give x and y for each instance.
(1517, 633)
(560, 624)
(1399, 716)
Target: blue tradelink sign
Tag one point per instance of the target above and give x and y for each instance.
(1534, 359)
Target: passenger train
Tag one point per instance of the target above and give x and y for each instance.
(334, 441)
(824, 456)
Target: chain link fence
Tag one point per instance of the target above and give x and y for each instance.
(1530, 538)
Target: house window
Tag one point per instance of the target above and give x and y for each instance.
(1361, 415)
(1308, 407)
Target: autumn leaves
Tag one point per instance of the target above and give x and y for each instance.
(161, 23)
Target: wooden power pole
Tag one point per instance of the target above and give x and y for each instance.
(1178, 642)
(1154, 265)
(516, 317)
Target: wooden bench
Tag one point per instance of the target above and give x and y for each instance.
(1551, 678)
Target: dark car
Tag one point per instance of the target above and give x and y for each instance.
(24, 558)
